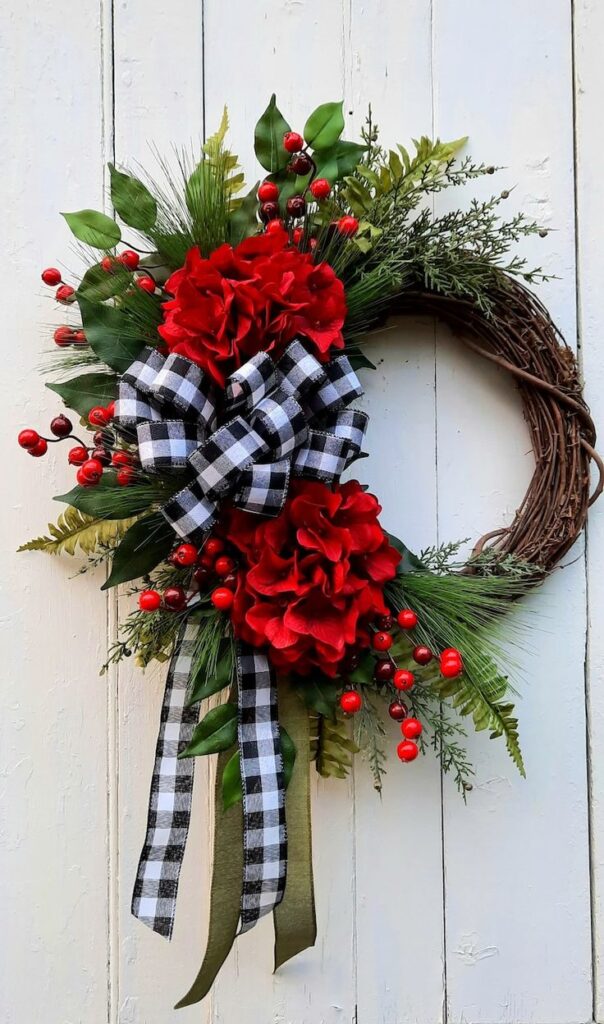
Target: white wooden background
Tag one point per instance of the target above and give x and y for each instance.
(428, 910)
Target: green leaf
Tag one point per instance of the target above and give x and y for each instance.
(216, 732)
(83, 392)
(338, 161)
(109, 501)
(144, 545)
(359, 361)
(363, 673)
(409, 562)
(268, 138)
(132, 200)
(74, 529)
(231, 776)
(324, 126)
(94, 228)
(202, 685)
(98, 284)
(334, 748)
(243, 221)
(318, 693)
(111, 334)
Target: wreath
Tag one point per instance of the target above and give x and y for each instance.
(218, 358)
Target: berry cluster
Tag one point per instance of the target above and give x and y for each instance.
(210, 564)
(64, 293)
(387, 673)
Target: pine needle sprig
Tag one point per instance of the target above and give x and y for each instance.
(369, 735)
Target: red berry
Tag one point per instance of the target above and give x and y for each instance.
(122, 459)
(274, 227)
(92, 470)
(384, 670)
(77, 456)
(103, 437)
(403, 679)
(293, 142)
(384, 623)
(268, 192)
(125, 476)
(350, 660)
(60, 426)
(422, 655)
(297, 235)
(269, 211)
(351, 702)
(347, 226)
(129, 259)
(146, 284)
(224, 565)
(28, 438)
(149, 600)
(39, 449)
(301, 164)
(411, 728)
(296, 206)
(63, 336)
(397, 710)
(80, 338)
(213, 547)
(451, 667)
(110, 410)
(102, 455)
(407, 750)
(230, 580)
(175, 598)
(381, 641)
(407, 618)
(83, 480)
(65, 293)
(320, 188)
(51, 276)
(222, 598)
(98, 417)
(185, 555)
(108, 264)
(201, 576)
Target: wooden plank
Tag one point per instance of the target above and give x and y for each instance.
(53, 828)
(517, 883)
(589, 83)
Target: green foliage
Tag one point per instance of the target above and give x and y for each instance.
(339, 160)
(324, 126)
(132, 200)
(318, 693)
(370, 734)
(76, 531)
(243, 221)
(217, 731)
(84, 392)
(109, 501)
(231, 777)
(146, 543)
(207, 679)
(111, 333)
(98, 285)
(268, 138)
(94, 228)
(333, 747)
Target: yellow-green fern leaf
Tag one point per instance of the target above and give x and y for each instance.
(75, 530)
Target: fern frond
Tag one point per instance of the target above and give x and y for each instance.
(334, 748)
(76, 530)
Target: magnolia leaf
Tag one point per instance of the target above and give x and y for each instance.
(109, 501)
(99, 284)
(94, 228)
(231, 776)
(84, 392)
(340, 160)
(318, 693)
(359, 361)
(132, 200)
(75, 530)
(243, 221)
(268, 138)
(324, 126)
(145, 544)
(216, 732)
(203, 685)
(111, 334)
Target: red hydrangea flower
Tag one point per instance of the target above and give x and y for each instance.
(313, 576)
(254, 298)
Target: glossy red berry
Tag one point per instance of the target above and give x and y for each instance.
(300, 164)
(80, 338)
(83, 480)
(384, 623)
(103, 437)
(129, 259)
(350, 660)
(274, 227)
(224, 565)
(175, 598)
(384, 670)
(108, 263)
(28, 439)
(407, 618)
(230, 580)
(51, 276)
(213, 547)
(411, 728)
(269, 211)
(397, 710)
(149, 600)
(110, 410)
(222, 598)
(351, 702)
(407, 750)
(403, 679)
(422, 655)
(268, 192)
(60, 426)
(98, 416)
(125, 476)
(102, 455)
(451, 666)
(77, 456)
(92, 470)
(39, 449)
(146, 284)
(201, 576)
(297, 235)
(63, 336)
(381, 641)
(122, 459)
(185, 555)
(347, 226)
(293, 142)
(320, 188)
(296, 206)
(65, 293)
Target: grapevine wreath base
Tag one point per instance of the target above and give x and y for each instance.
(216, 360)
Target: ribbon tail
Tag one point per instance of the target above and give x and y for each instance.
(225, 898)
(294, 918)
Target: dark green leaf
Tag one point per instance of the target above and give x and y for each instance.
(110, 333)
(359, 361)
(94, 228)
(243, 222)
(98, 284)
(82, 393)
(318, 693)
(363, 673)
(324, 126)
(108, 501)
(409, 561)
(144, 545)
(268, 138)
(202, 685)
(231, 776)
(335, 163)
(132, 200)
(216, 732)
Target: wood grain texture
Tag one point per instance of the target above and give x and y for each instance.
(428, 910)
